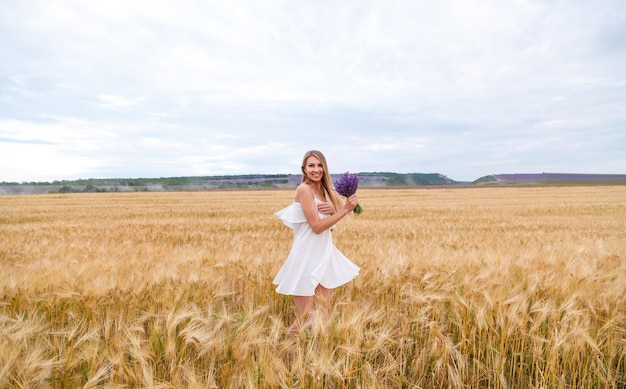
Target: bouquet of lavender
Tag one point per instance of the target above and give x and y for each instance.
(346, 186)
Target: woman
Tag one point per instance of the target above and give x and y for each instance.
(314, 266)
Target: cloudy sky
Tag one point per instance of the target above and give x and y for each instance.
(135, 88)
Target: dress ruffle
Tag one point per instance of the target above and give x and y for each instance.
(291, 215)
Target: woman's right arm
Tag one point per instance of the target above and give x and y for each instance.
(305, 197)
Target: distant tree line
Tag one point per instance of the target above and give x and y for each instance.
(223, 182)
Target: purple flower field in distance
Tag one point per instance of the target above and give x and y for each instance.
(559, 177)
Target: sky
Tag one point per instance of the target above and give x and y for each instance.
(138, 88)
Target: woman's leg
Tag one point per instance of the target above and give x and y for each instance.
(322, 301)
(310, 307)
(303, 308)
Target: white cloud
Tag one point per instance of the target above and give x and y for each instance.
(119, 101)
(41, 162)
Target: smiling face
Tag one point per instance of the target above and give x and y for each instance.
(313, 169)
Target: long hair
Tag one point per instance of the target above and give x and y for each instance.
(327, 183)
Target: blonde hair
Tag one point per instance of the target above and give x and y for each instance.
(327, 182)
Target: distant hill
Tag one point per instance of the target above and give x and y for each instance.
(250, 181)
(286, 181)
(551, 179)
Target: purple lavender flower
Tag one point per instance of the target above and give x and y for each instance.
(346, 186)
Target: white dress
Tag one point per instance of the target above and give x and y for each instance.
(313, 258)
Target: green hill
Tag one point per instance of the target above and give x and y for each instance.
(249, 181)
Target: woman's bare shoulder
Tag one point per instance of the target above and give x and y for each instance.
(303, 186)
(303, 190)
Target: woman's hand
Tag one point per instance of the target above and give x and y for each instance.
(325, 208)
(351, 203)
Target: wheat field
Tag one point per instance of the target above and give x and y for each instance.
(459, 288)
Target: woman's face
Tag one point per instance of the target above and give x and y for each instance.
(314, 169)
